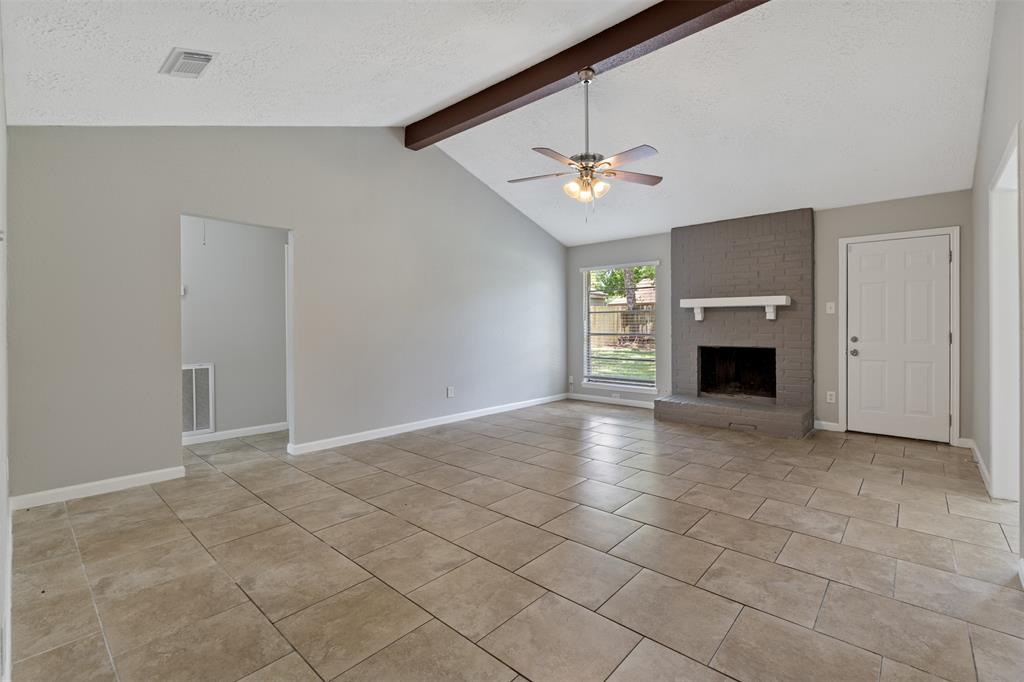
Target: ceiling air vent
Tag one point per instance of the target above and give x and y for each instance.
(186, 63)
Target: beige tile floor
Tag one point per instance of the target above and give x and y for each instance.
(569, 541)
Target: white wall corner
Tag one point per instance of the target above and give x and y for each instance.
(827, 426)
(106, 485)
(337, 441)
(1000, 490)
(986, 477)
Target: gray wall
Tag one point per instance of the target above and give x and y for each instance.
(410, 275)
(640, 249)
(899, 215)
(1004, 109)
(233, 315)
(5, 522)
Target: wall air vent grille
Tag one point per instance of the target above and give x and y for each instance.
(197, 399)
(186, 63)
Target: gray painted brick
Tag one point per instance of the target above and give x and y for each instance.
(757, 255)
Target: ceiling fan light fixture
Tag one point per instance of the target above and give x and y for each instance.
(590, 169)
(586, 195)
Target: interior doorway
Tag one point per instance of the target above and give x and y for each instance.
(235, 331)
(1005, 326)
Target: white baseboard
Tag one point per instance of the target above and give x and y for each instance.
(234, 433)
(8, 577)
(827, 426)
(326, 443)
(106, 485)
(649, 404)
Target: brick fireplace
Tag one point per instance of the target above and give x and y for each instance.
(736, 368)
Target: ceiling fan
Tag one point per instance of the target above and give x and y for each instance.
(592, 171)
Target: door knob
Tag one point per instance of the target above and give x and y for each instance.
(853, 338)
(854, 352)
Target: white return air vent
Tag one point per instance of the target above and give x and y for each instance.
(186, 63)
(197, 399)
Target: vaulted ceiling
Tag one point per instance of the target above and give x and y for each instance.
(795, 103)
(792, 104)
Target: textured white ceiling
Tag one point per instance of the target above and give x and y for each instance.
(369, 63)
(790, 105)
(797, 103)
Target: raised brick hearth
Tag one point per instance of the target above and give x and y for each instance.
(762, 255)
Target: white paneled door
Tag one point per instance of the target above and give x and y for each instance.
(898, 337)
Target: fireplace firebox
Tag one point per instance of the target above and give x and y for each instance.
(737, 371)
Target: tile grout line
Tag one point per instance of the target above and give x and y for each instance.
(58, 646)
(640, 569)
(276, 660)
(92, 595)
(283, 636)
(725, 637)
(821, 605)
(496, 627)
(630, 653)
(974, 660)
(371, 576)
(708, 568)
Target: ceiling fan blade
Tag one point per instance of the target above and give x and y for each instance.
(629, 176)
(552, 154)
(628, 156)
(541, 177)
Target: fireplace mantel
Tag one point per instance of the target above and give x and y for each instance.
(768, 302)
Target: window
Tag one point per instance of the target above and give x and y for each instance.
(620, 325)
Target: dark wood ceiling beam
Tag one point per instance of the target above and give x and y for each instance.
(653, 28)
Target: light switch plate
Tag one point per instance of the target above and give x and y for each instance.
(830, 307)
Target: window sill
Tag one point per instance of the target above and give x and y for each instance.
(622, 388)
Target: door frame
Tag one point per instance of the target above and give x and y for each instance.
(953, 232)
(289, 333)
(994, 474)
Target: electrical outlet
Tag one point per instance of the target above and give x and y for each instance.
(830, 307)
(451, 392)
(830, 396)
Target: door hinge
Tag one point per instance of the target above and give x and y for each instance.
(951, 338)
(950, 420)
(950, 256)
